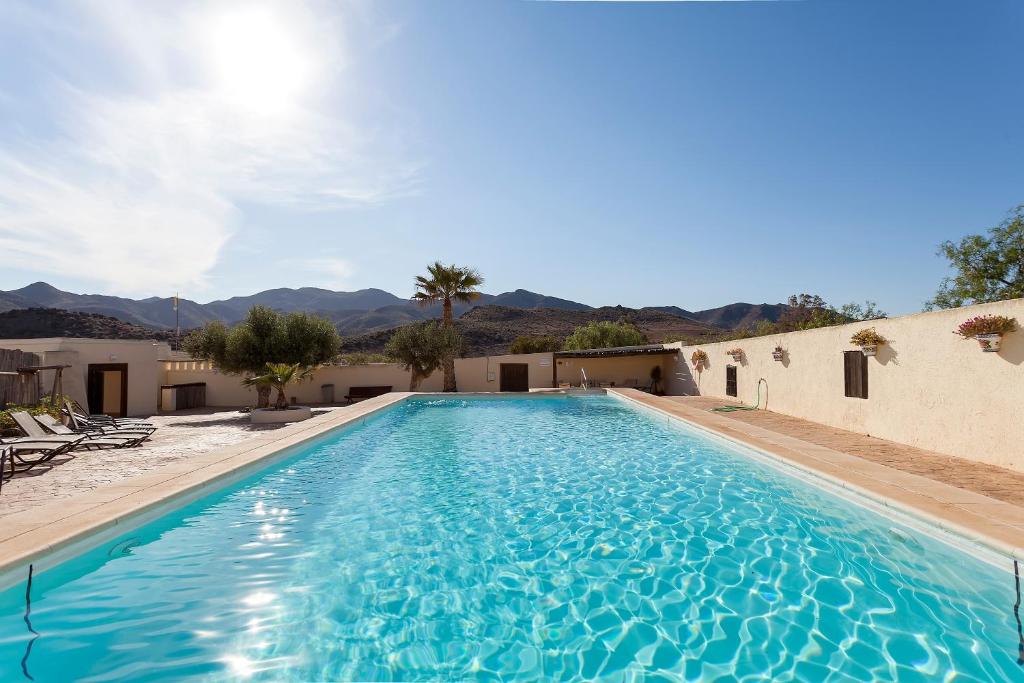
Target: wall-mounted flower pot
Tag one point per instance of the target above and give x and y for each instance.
(989, 342)
(777, 355)
(736, 357)
(869, 349)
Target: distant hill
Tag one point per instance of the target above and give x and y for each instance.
(354, 312)
(740, 315)
(491, 329)
(37, 323)
(306, 299)
(364, 313)
(152, 312)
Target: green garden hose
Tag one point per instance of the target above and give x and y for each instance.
(730, 409)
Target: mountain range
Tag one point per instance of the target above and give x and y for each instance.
(364, 317)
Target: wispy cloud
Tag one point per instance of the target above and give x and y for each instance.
(182, 114)
(327, 272)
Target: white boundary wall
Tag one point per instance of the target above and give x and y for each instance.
(927, 388)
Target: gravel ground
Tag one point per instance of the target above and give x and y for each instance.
(178, 436)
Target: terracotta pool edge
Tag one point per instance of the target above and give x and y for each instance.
(47, 535)
(940, 515)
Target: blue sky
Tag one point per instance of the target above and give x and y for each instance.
(689, 153)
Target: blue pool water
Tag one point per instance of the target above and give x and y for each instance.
(544, 538)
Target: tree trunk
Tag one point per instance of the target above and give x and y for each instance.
(282, 402)
(414, 380)
(449, 363)
(449, 374)
(262, 397)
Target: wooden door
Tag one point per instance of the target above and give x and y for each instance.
(730, 380)
(514, 377)
(855, 374)
(107, 389)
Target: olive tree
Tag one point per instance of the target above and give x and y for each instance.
(604, 334)
(423, 348)
(262, 338)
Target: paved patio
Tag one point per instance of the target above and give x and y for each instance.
(180, 436)
(988, 480)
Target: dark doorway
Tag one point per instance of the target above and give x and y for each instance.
(730, 380)
(514, 377)
(855, 374)
(107, 389)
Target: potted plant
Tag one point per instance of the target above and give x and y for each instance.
(736, 353)
(778, 352)
(278, 376)
(868, 340)
(987, 329)
(699, 359)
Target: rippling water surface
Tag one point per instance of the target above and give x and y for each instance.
(544, 538)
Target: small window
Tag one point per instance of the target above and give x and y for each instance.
(855, 374)
(730, 380)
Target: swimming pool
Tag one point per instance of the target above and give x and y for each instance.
(503, 538)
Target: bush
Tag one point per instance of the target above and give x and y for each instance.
(986, 324)
(541, 344)
(604, 335)
(7, 422)
(363, 358)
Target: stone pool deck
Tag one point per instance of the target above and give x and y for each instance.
(179, 436)
(981, 503)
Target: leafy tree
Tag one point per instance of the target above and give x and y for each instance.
(279, 376)
(604, 334)
(423, 348)
(988, 267)
(445, 284)
(265, 336)
(869, 311)
(539, 344)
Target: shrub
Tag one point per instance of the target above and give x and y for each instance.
(867, 337)
(986, 324)
(603, 335)
(7, 422)
(362, 358)
(538, 344)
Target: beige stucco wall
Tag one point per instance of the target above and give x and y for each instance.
(927, 388)
(484, 373)
(614, 370)
(140, 356)
(227, 390)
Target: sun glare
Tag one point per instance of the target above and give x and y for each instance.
(258, 63)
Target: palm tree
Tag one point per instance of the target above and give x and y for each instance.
(446, 284)
(278, 376)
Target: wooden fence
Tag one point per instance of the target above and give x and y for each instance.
(22, 389)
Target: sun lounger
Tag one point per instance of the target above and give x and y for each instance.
(44, 450)
(50, 423)
(79, 421)
(34, 430)
(5, 453)
(130, 438)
